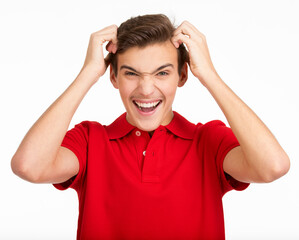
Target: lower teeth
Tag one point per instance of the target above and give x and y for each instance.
(147, 109)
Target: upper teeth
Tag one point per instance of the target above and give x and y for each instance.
(147, 105)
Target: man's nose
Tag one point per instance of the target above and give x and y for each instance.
(147, 85)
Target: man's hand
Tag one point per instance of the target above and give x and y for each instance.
(259, 158)
(200, 61)
(95, 57)
(40, 158)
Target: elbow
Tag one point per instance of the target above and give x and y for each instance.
(22, 169)
(278, 168)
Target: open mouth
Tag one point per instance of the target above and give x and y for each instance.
(147, 107)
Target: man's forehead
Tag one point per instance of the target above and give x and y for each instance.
(150, 57)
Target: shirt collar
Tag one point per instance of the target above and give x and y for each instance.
(179, 126)
(119, 128)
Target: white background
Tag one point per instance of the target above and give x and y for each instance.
(254, 47)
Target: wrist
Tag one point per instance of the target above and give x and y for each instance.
(89, 73)
(209, 79)
(86, 78)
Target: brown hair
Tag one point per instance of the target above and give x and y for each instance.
(142, 31)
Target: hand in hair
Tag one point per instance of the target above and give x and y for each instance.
(259, 158)
(200, 61)
(95, 60)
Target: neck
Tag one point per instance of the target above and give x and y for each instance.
(151, 133)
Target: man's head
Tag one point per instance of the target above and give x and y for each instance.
(147, 69)
(143, 31)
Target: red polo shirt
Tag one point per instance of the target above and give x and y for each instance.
(168, 186)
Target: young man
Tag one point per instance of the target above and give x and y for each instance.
(151, 174)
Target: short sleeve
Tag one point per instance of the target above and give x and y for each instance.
(222, 140)
(76, 140)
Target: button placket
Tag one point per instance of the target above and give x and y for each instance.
(149, 171)
(140, 142)
(151, 161)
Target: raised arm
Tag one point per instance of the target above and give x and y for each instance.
(40, 158)
(259, 158)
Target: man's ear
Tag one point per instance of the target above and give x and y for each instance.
(113, 78)
(184, 75)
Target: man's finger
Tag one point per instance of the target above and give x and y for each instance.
(189, 30)
(107, 30)
(111, 47)
(179, 39)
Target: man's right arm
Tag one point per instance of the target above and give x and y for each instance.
(40, 157)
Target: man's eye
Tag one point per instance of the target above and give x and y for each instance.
(130, 74)
(163, 73)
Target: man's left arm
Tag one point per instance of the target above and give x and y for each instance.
(259, 158)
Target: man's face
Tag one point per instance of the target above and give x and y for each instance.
(147, 80)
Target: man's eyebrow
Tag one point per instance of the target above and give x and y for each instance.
(159, 68)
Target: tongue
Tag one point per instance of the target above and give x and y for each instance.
(147, 109)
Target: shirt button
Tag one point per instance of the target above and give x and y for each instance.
(138, 133)
(144, 153)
